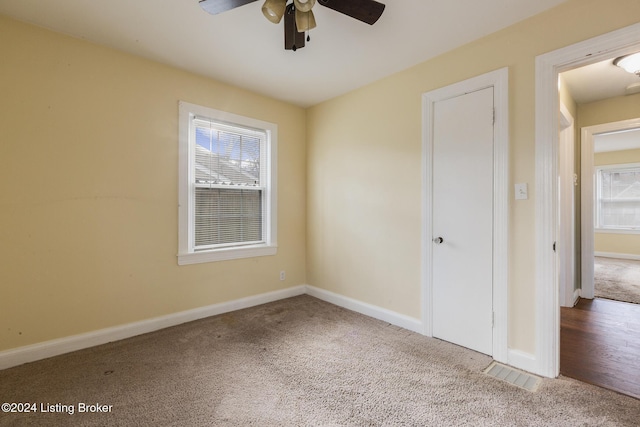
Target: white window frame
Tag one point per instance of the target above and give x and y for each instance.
(186, 187)
(597, 191)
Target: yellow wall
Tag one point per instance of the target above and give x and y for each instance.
(88, 189)
(364, 167)
(616, 157)
(609, 110)
(628, 244)
(565, 97)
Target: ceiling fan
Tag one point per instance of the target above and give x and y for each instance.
(298, 16)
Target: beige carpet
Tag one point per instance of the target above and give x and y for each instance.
(617, 279)
(296, 362)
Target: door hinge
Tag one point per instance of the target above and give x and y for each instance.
(494, 116)
(554, 246)
(493, 319)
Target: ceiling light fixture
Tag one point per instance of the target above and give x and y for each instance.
(273, 10)
(304, 5)
(629, 63)
(305, 21)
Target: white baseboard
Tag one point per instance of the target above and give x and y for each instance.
(576, 295)
(370, 310)
(31, 353)
(516, 358)
(523, 361)
(617, 255)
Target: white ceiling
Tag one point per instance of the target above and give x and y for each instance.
(598, 81)
(242, 48)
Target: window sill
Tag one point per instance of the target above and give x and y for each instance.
(226, 254)
(617, 231)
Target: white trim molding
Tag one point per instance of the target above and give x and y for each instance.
(187, 253)
(566, 225)
(499, 80)
(548, 67)
(617, 255)
(586, 213)
(522, 360)
(370, 310)
(31, 353)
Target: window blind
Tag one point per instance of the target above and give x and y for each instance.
(619, 198)
(228, 184)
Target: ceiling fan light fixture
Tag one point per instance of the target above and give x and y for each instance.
(629, 63)
(632, 89)
(305, 21)
(304, 5)
(273, 10)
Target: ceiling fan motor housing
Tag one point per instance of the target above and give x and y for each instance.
(293, 39)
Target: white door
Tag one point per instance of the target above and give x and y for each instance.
(462, 204)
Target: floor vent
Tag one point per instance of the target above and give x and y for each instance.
(513, 376)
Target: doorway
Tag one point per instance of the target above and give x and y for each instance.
(439, 106)
(599, 336)
(548, 67)
(611, 151)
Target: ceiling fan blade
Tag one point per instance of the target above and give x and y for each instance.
(363, 10)
(215, 7)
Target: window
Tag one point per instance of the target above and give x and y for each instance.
(227, 197)
(618, 198)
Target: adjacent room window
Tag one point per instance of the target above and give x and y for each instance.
(227, 197)
(618, 198)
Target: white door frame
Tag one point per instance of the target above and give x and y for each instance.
(566, 227)
(587, 203)
(548, 66)
(499, 80)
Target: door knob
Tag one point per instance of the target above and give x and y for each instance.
(438, 240)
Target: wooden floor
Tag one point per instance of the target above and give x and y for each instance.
(600, 344)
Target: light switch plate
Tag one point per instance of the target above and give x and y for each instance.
(522, 192)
